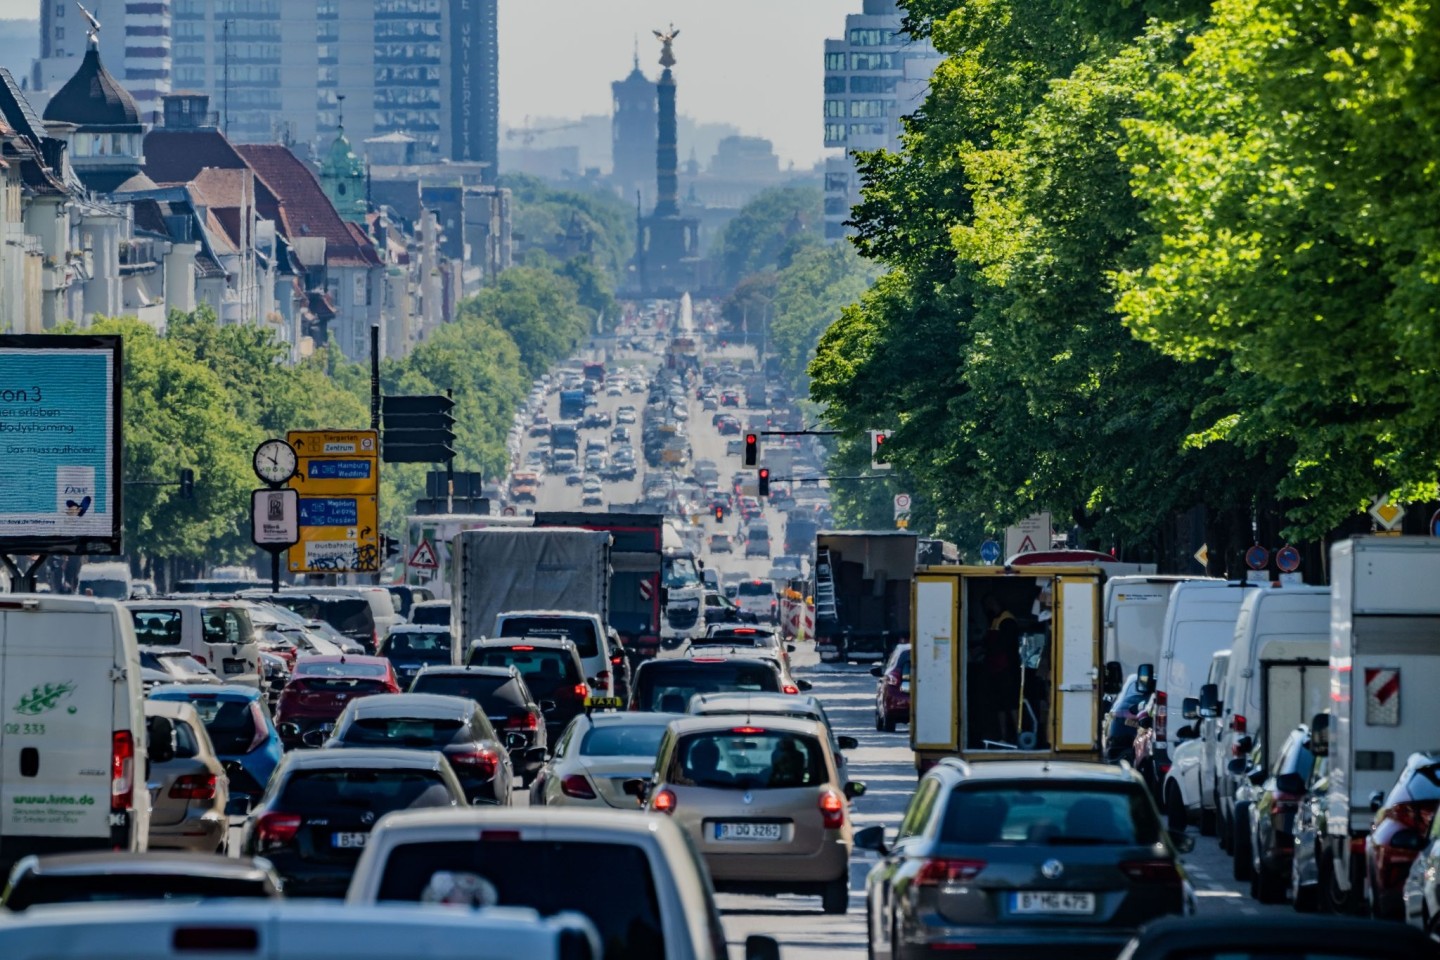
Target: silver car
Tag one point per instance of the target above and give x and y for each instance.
(188, 792)
(594, 758)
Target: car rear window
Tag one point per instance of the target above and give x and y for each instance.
(1050, 814)
(488, 691)
(230, 723)
(430, 615)
(534, 664)
(577, 631)
(403, 732)
(621, 740)
(540, 874)
(380, 791)
(356, 685)
(735, 638)
(427, 647)
(352, 616)
(668, 687)
(749, 757)
(1425, 785)
(309, 668)
(110, 887)
(754, 588)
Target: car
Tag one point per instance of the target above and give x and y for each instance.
(625, 414)
(721, 543)
(161, 665)
(734, 448)
(410, 648)
(1402, 821)
(352, 613)
(720, 609)
(758, 596)
(1272, 814)
(538, 429)
(507, 702)
(614, 389)
(431, 613)
(590, 485)
(317, 813)
(1023, 857)
(1257, 938)
(756, 546)
(594, 758)
(190, 791)
(237, 720)
(709, 402)
(730, 398)
(1304, 892)
(620, 435)
(727, 426)
(320, 689)
(755, 648)
(592, 498)
(574, 480)
(762, 800)
(551, 668)
(654, 901)
(666, 685)
(95, 878)
(456, 726)
(775, 705)
(892, 693)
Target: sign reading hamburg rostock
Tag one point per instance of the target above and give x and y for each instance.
(337, 477)
(60, 444)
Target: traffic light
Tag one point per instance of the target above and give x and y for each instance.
(752, 449)
(720, 512)
(187, 483)
(879, 456)
(763, 479)
(418, 429)
(390, 547)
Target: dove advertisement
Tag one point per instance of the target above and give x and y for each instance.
(60, 408)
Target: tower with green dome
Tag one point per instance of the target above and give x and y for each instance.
(342, 177)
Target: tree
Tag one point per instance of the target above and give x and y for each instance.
(766, 229)
(808, 294)
(538, 309)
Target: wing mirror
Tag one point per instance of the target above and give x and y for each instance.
(1291, 783)
(1377, 800)
(1190, 708)
(1210, 704)
(847, 743)
(635, 788)
(160, 737)
(1245, 744)
(514, 741)
(1145, 679)
(288, 731)
(1186, 732)
(315, 738)
(789, 648)
(1114, 678)
(871, 838)
(537, 755)
(804, 685)
(876, 670)
(547, 706)
(760, 947)
(1256, 775)
(853, 789)
(1237, 767)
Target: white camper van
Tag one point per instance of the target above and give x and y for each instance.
(1384, 671)
(73, 735)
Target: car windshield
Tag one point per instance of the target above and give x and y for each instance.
(402, 731)
(429, 647)
(541, 874)
(1050, 814)
(748, 758)
(577, 630)
(377, 790)
(623, 740)
(668, 687)
(33, 890)
(1425, 785)
(679, 572)
(352, 616)
(755, 588)
(735, 638)
(230, 723)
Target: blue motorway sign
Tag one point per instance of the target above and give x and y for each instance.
(329, 512)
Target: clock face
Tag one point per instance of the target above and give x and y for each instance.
(274, 461)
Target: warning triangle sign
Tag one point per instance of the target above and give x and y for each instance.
(424, 557)
(1027, 545)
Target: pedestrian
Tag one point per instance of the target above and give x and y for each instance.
(1001, 670)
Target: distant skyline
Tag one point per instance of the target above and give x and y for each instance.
(757, 64)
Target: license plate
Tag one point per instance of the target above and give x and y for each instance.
(1058, 902)
(234, 666)
(747, 831)
(348, 841)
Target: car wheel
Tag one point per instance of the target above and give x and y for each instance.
(1265, 886)
(1302, 897)
(1332, 899)
(1240, 843)
(879, 720)
(1175, 808)
(836, 896)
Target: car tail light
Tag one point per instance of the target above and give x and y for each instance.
(194, 786)
(1151, 871)
(936, 873)
(578, 787)
(483, 762)
(276, 829)
(663, 802)
(832, 809)
(122, 770)
(602, 678)
(522, 720)
(892, 679)
(1237, 723)
(1162, 716)
(375, 640)
(791, 689)
(582, 691)
(616, 660)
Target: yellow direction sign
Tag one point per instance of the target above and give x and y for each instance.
(338, 479)
(1388, 515)
(1202, 556)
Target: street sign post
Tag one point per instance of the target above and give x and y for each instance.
(1257, 557)
(990, 551)
(902, 510)
(337, 479)
(1029, 535)
(274, 525)
(1387, 515)
(419, 429)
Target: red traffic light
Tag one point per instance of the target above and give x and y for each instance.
(719, 512)
(752, 449)
(764, 481)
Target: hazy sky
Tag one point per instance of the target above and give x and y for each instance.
(757, 64)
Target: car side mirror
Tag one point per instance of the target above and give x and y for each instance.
(871, 838)
(1182, 841)
(238, 806)
(1377, 800)
(1114, 678)
(1190, 708)
(760, 947)
(288, 731)
(1210, 701)
(160, 739)
(1186, 732)
(635, 788)
(1409, 840)
(1256, 775)
(514, 741)
(1291, 783)
(789, 648)
(847, 743)
(1238, 766)
(1245, 744)
(1145, 722)
(853, 789)
(314, 738)
(876, 670)
(1145, 679)
(537, 755)
(547, 706)
(804, 685)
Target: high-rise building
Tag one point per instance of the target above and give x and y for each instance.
(634, 126)
(874, 76)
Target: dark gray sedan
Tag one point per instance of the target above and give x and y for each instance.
(1022, 859)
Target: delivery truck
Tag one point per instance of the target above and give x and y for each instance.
(1005, 662)
(1384, 671)
(862, 592)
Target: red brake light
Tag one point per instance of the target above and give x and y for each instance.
(939, 872)
(1237, 723)
(663, 802)
(1162, 714)
(582, 690)
(832, 809)
(522, 720)
(748, 731)
(744, 630)
(194, 786)
(1151, 871)
(577, 786)
(483, 762)
(522, 647)
(122, 770)
(791, 689)
(276, 829)
(707, 659)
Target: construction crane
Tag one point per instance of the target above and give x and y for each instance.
(527, 134)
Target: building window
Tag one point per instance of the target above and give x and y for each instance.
(835, 62)
(834, 85)
(834, 108)
(837, 183)
(869, 37)
(867, 129)
(873, 61)
(873, 84)
(834, 133)
(836, 206)
(869, 108)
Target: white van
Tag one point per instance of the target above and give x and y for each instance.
(1135, 619)
(73, 737)
(108, 580)
(1278, 677)
(219, 634)
(1199, 622)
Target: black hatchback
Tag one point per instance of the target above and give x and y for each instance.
(667, 685)
(551, 669)
(502, 694)
(1022, 859)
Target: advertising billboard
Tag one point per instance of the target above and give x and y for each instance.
(60, 444)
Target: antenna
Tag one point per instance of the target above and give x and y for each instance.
(340, 113)
(225, 87)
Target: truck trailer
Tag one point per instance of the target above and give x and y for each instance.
(862, 592)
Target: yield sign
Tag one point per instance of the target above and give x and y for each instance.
(424, 557)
